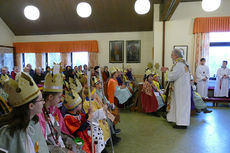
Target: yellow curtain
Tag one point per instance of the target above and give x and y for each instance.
(93, 59)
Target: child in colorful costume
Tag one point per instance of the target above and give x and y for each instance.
(99, 117)
(122, 93)
(151, 99)
(77, 122)
(111, 117)
(20, 130)
(55, 132)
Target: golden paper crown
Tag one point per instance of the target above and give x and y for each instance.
(148, 72)
(113, 70)
(53, 82)
(4, 77)
(22, 90)
(157, 66)
(74, 84)
(150, 65)
(72, 100)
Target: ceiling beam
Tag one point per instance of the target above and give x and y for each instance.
(167, 8)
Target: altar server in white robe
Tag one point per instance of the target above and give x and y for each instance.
(222, 81)
(179, 97)
(202, 75)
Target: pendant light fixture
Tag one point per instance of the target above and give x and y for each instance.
(210, 5)
(142, 6)
(31, 12)
(84, 10)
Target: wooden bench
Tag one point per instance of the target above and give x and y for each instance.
(216, 100)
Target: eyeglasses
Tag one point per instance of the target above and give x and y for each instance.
(40, 100)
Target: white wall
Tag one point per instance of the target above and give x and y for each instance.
(158, 35)
(179, 29)
(103, 41)
(6, 35)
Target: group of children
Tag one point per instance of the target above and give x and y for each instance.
(69, 115)
(153, 96)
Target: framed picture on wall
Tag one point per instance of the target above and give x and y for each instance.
(133, 51)
(116, 51)
(184, 48)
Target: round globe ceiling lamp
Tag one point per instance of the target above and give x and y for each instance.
(210, 5)
(84, 10)
(31, 12)
(142, 6)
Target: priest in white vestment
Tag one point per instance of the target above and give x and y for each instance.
(179, 97)
(222, 81)
(202, 75)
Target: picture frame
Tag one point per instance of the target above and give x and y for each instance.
(116, 51)
(133, 51)
(184, 48)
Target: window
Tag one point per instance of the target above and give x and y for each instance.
(79, 58)
(53, 57)
(8, 61)
(219, 50)
(6, 58)
(28, 58)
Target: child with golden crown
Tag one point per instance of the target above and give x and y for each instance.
(77, 122)
(99, 119)
(151, 98)
(55, 132)
(111, 117)
(20, 130)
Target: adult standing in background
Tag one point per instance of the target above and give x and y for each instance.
(15, 72)
(179, 97)
(3, 75)
(7, 71)
(80, 69)
(202, 75)
(31, 71)
(105, 74)
(222, 81)
(85, 67)
(47, 70)
(38, 76)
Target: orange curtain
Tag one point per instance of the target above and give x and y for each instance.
(93, 59)
(201, 49)
(211, 24)
(56, 46)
